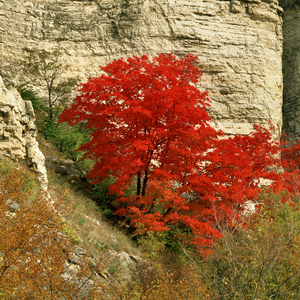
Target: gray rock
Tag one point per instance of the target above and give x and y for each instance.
(13, 207)
(76, 255)
(65, 167)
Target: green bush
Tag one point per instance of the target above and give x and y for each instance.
(29, 94)
(67, 139)
(152, 244)
(100, 193)
(72, 232)
(259, 259)
(105, 199)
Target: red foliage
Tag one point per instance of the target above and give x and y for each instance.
(149, 124)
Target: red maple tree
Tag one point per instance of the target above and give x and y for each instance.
(150, 125)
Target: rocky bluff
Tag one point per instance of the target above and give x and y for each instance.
(239, 44)
(18, 133)
(291, 68)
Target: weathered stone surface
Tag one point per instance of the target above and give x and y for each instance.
(239, 44)
(291, 69)
(66, 167)
(18, 133)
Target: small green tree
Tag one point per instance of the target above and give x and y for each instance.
(47, 69)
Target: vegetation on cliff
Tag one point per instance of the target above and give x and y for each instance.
(34, 253)
(175, 185)
(150, 129)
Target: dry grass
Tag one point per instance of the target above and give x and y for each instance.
(86, 215)
(86, 226)
(87, 218)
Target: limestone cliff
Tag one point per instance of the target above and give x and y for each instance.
(239, 44)
(18, 132)
(291, 69)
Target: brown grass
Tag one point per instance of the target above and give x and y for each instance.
(87, 216)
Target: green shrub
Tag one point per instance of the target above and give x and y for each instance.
(72, 232)
(104, 198)
(100, 193)
(152, 244)
(67, 139)
(259, 259)
(28, 94)
(81, 221)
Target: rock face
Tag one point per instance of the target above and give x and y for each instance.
(65, 167)
(239, 44)
(18, 132)
(291, 69)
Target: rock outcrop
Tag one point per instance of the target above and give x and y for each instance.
(239, 44)
(291, 69)
(18, 132)
(66, 167)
